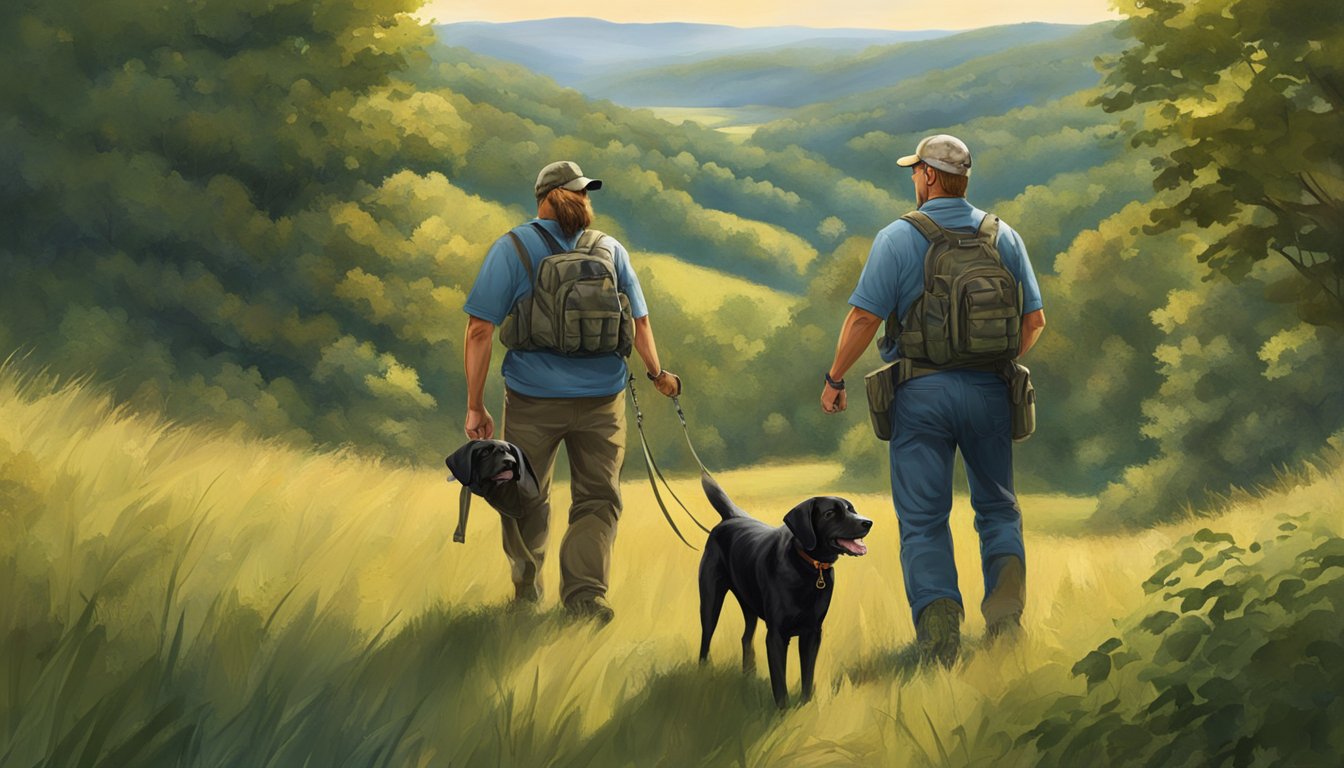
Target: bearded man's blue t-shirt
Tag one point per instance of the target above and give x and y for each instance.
(503, 281)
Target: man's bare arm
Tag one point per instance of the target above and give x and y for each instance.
(1032, 325)
(476, 360)
(856, 334)
(647, 348)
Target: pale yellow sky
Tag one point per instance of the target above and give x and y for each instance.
(880, 14)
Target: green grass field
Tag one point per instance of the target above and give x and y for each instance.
(180, 597)
(738, 122)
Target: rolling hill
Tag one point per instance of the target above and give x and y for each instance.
(577, 52)
(802, 74)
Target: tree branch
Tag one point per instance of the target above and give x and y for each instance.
(1315, 189)
(1311, 276)
(1332, 91)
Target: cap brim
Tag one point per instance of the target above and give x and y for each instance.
(582, 183)
(908, 160)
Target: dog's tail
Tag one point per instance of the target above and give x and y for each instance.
(725, 506)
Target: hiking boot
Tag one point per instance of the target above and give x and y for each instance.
(527, 592)
(938, 631)
(1003, 605)
(1009, 627)
(592, 607)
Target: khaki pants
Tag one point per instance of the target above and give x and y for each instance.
(593, 431)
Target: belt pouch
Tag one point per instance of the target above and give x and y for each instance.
(880, 386)
(1022, 395)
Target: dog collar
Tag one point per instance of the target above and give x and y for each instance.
(820, 566)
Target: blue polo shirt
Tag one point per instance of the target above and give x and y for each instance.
(503, 281)
(893, 276)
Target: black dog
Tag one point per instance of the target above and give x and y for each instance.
(782, 575)
(497, 472)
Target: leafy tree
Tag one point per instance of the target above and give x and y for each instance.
(1254, 91)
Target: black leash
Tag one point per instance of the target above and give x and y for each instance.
(680, 415)
(676, 401)
(651, 467)
(463, 509)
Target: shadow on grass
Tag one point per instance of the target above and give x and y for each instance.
(685, 716)
(690, 715)
(886, 665)
(900, 664)
(450, 688)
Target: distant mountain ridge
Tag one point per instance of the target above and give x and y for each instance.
(704, 65)
(797, 77)
(576, 51)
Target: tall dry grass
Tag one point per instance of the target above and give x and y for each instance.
(178, 597)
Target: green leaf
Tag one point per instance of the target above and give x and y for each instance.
(1181, 640)
(1209, 536)
(1287, 590)
(1157, 623)
(1096, 666)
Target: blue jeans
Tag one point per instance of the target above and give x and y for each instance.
(933, 416)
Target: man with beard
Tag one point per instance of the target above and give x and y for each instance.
(555, 395)
(944, 406)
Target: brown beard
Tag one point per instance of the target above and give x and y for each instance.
(573, 210)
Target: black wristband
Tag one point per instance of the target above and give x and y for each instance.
(657, 376)
(834, 384)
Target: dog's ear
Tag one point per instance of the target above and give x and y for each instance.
(462, 462)
(800, 523)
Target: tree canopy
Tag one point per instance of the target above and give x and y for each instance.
(1254, 92)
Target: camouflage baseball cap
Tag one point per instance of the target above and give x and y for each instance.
(946, 153)
(565, 174)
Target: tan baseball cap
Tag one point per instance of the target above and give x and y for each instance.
(946, 153)
(565, 174)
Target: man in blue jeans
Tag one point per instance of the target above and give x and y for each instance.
(936, 414)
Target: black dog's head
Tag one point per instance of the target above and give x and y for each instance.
(827, 527)
(492, 467)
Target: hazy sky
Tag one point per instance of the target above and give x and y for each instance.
(885, 14)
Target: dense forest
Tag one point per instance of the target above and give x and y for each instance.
(265, 216)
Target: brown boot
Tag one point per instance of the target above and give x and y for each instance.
(938, 631)
(1003, 605)
(593, 607)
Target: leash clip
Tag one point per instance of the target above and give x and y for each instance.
(821, 579)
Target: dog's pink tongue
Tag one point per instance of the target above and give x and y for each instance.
(853, 546)
(503, 476)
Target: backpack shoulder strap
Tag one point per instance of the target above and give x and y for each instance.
(926, 225)
(549, 239)
(989, 229)
(931, 232)
(988, 233)
(524, 257)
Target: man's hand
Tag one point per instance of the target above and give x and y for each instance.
(668, 384)
(480, 426)
(833, 400)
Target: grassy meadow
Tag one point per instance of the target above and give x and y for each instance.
(180, 597)
(737, 122)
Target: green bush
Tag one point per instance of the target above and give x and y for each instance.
(1235, 663)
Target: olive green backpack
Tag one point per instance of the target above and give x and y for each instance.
(575, 307)
(970, 313)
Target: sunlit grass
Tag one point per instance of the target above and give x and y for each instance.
(738, 122)
(261, 603)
